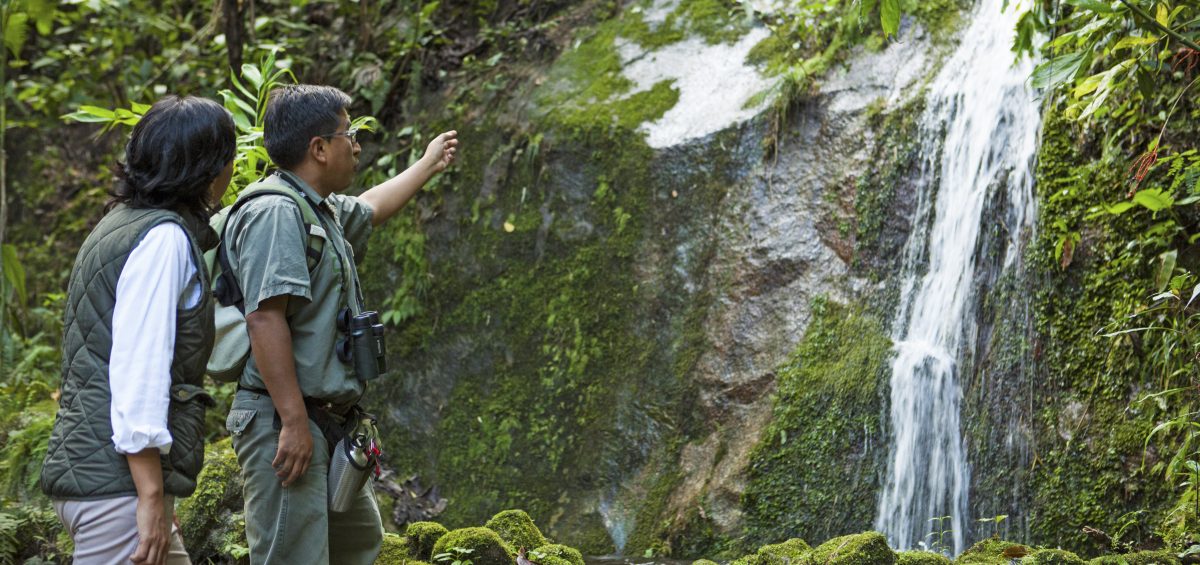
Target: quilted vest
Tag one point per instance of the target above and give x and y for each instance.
(81, 462)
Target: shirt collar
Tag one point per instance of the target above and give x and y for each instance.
(303, 186)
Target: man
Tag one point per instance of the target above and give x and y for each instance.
(291, 307)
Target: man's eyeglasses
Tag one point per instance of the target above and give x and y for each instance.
(351, 133)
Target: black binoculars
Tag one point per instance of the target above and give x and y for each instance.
(363, 343)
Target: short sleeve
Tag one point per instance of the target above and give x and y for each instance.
(356, 217)
(268, 250)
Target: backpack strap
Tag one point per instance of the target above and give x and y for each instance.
(226, 289)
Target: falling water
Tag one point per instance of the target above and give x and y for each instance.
(979, 136)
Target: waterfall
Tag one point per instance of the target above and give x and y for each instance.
(979, 139)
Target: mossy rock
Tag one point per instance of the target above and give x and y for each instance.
(1161, 557)
(516, 528)
(921, 558)
(791, 549)
(394, 551)
(867, 548)
(703, 562)
(556, 551)
(991, 551)
(1052, 557)
(421, 538)
(212, 520)
(485, 544)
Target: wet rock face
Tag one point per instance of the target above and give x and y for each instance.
(623, 338)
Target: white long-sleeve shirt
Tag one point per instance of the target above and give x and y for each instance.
(158, 279)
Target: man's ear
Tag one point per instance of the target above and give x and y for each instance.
(318, 150)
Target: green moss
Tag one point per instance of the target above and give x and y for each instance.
(921, 558)
(812, 474)
(1162, 557)
(790, 549)
(554, 550)
(395, 551)
(788, 552)
(211, 520)
(1090, 440)
(868, 548)
(991, 551)
(1051, 557)
(421, 538)
(486, 546)
(517, 529)
(898, 157)
(704, 562)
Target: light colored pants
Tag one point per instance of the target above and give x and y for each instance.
(105, 531)
(294, 525)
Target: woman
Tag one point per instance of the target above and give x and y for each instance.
(128, 436)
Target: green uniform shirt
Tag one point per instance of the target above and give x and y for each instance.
(268, 254)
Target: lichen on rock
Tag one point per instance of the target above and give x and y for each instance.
(422, 536)
(568, 555)
(1052, 557)
(211, 519)
(867, 548)
(517, 529)
(485, 545)
(921, 558)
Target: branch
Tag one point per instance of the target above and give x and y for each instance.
(1179, 38)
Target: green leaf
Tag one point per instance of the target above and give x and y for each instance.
(14, 273)
(1166, 269)
(1120, 207)
(1154, 199)
(1092, 5)
(1129, 42)
(15, 32)
(252, 75)
(865, 7)
(889, 16)
(1058, 70)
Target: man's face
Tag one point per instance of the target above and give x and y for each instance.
(342, 155)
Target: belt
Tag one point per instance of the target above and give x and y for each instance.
(331, 423)
(341, 411)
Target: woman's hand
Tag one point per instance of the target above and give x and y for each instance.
(154, 532)
(153, 520)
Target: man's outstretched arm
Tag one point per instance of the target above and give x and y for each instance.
(390, 196)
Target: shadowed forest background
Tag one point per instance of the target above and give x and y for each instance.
(661, 320)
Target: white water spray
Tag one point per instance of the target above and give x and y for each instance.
(979, 136)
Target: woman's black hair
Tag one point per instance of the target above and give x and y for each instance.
(175, 152)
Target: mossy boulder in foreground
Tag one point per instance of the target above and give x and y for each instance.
(868, 548)
(516, 528)
(486, 546)
(1161, 557)
(788, 552)
(992, 551)
(421, 538)
(1052, 557)
(395, 551)
(921, 558)
(553, 553)
(211, 519)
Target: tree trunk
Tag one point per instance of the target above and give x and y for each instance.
(233, 33)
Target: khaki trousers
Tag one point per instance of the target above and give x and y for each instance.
(294, 525)
(105, 531)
